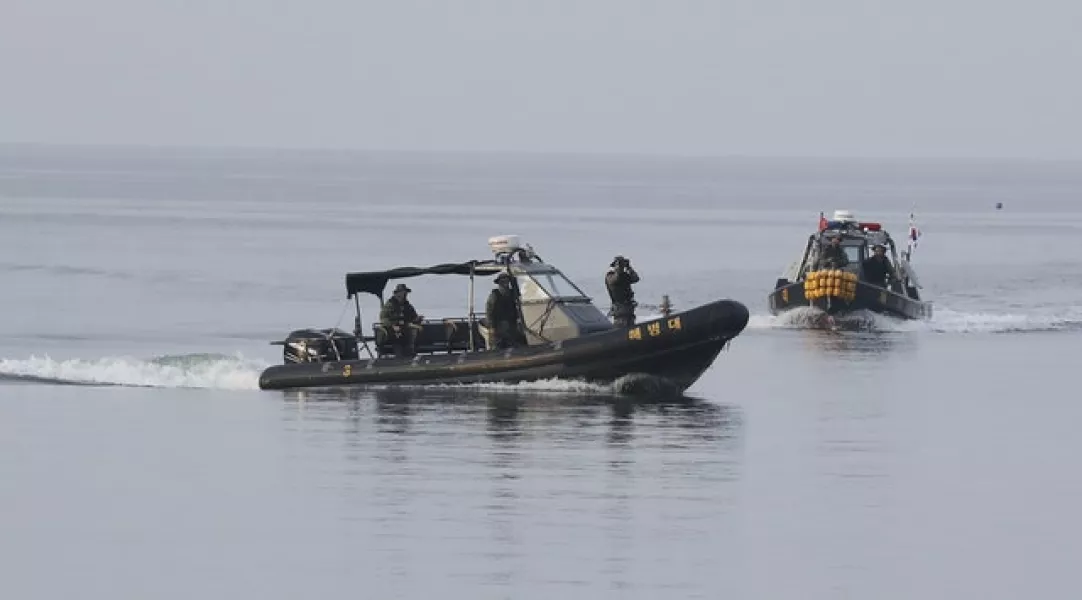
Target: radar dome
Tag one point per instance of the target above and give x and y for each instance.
(504, 244)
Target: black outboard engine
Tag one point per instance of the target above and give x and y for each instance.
(319, 345)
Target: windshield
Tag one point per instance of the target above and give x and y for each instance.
(545, 286)
(851, 251)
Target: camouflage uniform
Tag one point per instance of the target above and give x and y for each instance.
(618, 281)
(401, 322)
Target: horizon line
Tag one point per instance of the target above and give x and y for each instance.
(14, 145)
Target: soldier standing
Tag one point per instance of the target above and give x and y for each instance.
(618, 281)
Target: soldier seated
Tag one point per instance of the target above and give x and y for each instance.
(401, 322)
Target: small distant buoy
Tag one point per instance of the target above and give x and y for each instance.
(999, 205)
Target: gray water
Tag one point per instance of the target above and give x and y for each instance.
(899, 460)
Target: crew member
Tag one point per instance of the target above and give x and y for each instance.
(401, 321)
(877, 267)
(502, 314)
(618, 280)
(832, 255)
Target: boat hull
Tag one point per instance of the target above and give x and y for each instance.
(677, 348)
(867, 297)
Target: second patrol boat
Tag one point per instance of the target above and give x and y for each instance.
(835, 275)
(567, 336)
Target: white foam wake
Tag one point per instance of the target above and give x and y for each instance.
(629, 384)
(560, 386)
(214, 371)
(943, 321)
(946, 321)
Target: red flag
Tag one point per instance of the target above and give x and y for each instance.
(822, 222)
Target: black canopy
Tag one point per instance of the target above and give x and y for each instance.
(374, 282)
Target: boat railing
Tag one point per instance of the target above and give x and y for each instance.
(802, 270)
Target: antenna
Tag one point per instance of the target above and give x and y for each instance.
(913, 235)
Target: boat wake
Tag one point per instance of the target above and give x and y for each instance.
(943, 321)
(946, 321)
(639, 385)
(220, 371)
(813, 318)
(213, 371)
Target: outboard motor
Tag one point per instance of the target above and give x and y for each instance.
(319, 345)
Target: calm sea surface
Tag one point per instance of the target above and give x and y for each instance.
(139, 290)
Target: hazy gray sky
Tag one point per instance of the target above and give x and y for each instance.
(755, 77)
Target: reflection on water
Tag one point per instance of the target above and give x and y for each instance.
(503, 416)
(508, 413)
(601, 485)
(856, 345)
(596, 484)
(853, 465)
(863, 336)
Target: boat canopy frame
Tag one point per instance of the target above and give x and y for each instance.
(375, 282)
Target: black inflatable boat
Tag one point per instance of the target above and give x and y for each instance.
(568, 337)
